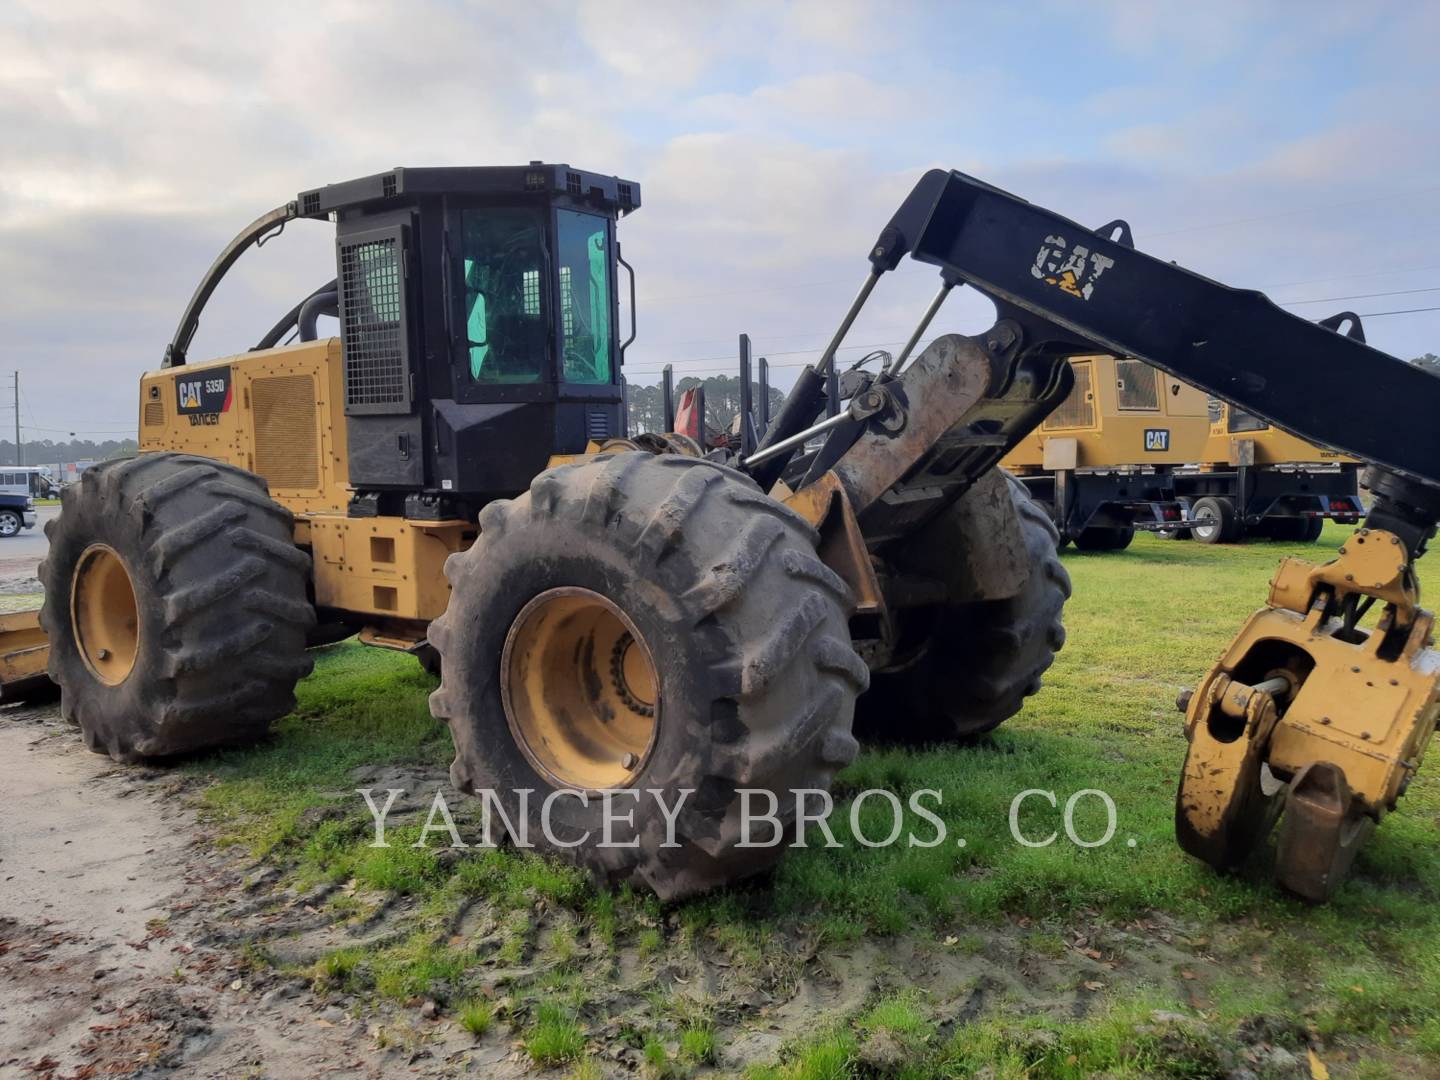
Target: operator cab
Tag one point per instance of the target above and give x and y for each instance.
(478, 325)
(478, 318)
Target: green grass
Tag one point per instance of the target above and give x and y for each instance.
(556, 1038)
(1143, 624)
(476, 1017)
(697, 1044)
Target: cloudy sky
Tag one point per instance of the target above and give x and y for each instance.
(1284, 146)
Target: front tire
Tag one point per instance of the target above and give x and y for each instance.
(645, 623)
(175, 606)
(10, 523)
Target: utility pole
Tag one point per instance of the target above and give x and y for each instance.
(19, 453)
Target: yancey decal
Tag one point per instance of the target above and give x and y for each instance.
(204, 396)
(1071, 270)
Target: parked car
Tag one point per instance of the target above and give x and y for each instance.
(17, 503)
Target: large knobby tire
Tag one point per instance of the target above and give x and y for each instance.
(983, 659)
(1105, 538)
(429, 660)
(175, 606)
(1292, 530)
(754, 676)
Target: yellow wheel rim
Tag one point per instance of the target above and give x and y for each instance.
(104, 614)
(580, 692)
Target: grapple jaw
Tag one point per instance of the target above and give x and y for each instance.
(1307, 713)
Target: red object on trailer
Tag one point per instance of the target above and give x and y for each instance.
(688, 420)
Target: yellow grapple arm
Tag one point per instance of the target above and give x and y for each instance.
(1308, 713)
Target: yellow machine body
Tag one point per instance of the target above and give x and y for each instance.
(1237, 438)
(283, 419)
(1122, 413)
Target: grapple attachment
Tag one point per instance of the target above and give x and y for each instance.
(1310, 714)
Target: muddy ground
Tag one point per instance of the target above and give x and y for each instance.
(129, 946)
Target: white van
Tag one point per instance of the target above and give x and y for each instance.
(31, 480)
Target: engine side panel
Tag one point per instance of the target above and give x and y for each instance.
(276, 413)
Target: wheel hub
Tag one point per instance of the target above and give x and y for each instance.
(580, 690)
(104, 614)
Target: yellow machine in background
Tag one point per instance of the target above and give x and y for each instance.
(1101, 462)
(1254, 479)
(1132, 447)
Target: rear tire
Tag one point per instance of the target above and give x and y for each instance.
(174, 605)
(983, 659)
(1216, 521)
(752, 675)
(1101, 538)
(429, 659)
(10, 523)
(1048, 509)
(1314, 526)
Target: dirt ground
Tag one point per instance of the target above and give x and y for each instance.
(129, 948)
(113, 952)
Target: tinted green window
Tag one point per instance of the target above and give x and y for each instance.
(584, 262)
(504, 320)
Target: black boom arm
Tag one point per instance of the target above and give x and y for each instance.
(1072, 288)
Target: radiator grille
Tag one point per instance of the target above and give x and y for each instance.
(1136, 384)
(1077, 410)
(287, 442)
(154, 414)
(373, 328)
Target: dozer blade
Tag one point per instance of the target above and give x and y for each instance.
(24, 652)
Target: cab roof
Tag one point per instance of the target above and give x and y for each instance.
(401, 184)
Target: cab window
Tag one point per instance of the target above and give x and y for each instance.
(504, 298)
(583, 250)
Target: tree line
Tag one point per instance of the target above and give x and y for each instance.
(49, 452)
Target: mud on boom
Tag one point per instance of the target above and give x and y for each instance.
(451, 476)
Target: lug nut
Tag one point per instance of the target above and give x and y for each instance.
(628, 761)
(103, 654)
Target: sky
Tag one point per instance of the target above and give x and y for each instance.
(1282, 146)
